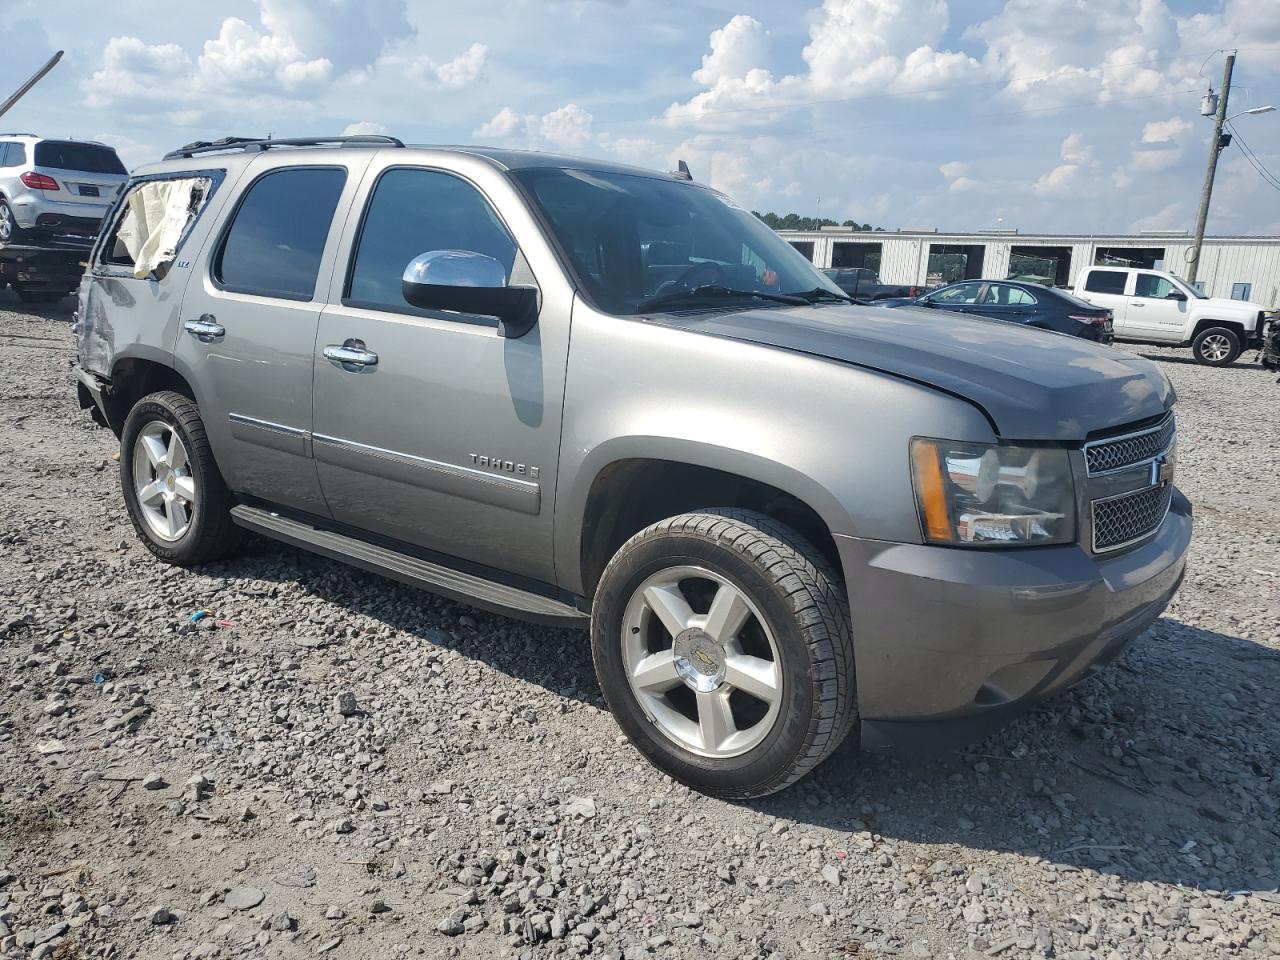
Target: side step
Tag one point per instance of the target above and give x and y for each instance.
(416, 572)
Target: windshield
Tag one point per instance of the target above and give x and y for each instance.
(1187, 288)
(631, 239)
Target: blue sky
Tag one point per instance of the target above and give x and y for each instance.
(1041, 115)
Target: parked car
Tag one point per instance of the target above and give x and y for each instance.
(1151, 306)
(783, 516)
(863, 283)
(1026, 303)
(55, 188)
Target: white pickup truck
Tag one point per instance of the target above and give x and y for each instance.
(1151, 306)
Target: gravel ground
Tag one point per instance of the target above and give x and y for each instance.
(331, 764)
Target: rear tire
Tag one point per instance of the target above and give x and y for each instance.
(174, 492)
(1216, 346)
(738, 703)
(10, 232)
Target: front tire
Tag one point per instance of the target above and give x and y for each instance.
(175, 495)
(721, 641)
(1216, 346)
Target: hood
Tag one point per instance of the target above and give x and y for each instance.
(1032, 384)
(1239, 308)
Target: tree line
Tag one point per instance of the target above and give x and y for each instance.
(793, 221)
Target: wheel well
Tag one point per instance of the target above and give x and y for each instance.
(131, 380)
(629, 495)
(1232, 325)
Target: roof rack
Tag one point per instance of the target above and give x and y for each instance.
(253, 145)
(15, 133)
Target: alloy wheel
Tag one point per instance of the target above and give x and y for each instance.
(702, 662)
(162, 480)
(1215, 347)
(6, 223)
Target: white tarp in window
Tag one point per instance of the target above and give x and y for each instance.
(157, 216)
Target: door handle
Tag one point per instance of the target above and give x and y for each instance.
(1136, 303)
(351, 353)
(207, 329)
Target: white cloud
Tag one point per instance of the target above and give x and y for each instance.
(565, 128)
(504, 125)
(1172, 217)
(737, 48)
(1164, 131)
(242, 58)
(461, 71)
(350, 34)
(856, 48)
(1067, 177)
(133, 70)
(953, 169)
(1074, 150)
(365, 128)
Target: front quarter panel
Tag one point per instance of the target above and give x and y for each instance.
(832, 435)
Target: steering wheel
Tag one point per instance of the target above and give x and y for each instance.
(698, 275)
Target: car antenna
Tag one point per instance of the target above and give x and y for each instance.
(682, 171)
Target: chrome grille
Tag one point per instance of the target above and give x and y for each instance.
(1119, 521)
(1106, 455)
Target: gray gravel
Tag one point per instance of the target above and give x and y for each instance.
(334, 765)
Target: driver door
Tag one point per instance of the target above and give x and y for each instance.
(959, 297)
(442, 433)
(1154, 308)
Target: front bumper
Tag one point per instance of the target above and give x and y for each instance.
(950, 644)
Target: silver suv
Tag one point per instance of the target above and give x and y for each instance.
(52, 189)
(592, 395)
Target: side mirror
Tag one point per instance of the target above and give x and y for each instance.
(1175, 295)
(467, 282)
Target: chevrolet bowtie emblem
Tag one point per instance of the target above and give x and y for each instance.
(1161, 470)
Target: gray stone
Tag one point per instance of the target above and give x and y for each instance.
(244, 898)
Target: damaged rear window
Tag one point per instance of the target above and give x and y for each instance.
(157, 215)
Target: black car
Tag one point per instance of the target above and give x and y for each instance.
(863, 284)
(1018, 302)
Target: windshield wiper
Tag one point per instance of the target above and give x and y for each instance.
(714, 291)
(818, 294)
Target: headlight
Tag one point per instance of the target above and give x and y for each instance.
(982, 494)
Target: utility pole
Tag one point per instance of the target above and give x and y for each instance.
(22, 90)
(1215, 148)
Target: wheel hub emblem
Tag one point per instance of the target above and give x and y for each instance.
(699, 660)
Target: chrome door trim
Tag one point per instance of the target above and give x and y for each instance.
(266, 433)
(523, 496)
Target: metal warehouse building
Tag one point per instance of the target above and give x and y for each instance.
(1247, 268)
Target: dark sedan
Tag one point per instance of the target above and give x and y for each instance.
(1027, 303)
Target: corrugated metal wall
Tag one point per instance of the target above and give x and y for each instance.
(904, 258)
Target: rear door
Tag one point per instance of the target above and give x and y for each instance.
(249, 321)
(1153, 310)
(1003, 301)
(1108, 289)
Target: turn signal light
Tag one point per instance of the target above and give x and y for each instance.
(39, 181)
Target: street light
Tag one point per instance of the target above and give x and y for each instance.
(1252, 112)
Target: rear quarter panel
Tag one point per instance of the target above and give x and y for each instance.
(122, 317)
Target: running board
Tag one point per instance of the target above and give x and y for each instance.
(414, 571)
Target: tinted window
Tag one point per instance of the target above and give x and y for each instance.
(631, 238)
(85, 157)
(960, 293)
(1106, 281)
(413, 212)
(274, 245)
(5, 150)
(1004, 295)
(1149, 285)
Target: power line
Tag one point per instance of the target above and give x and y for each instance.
(1267, 176)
